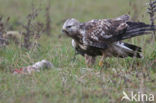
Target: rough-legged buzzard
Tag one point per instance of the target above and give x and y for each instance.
(103, 37)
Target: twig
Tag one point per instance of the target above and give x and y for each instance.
(3, 24)
(151, 11)
(48, 20)
(32, 29)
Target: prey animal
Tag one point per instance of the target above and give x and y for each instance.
(103, 37)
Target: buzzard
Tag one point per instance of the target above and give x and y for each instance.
(103, 37)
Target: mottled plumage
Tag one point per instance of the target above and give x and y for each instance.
(103, 36)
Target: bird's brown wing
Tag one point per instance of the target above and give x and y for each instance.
(99, 33)
(123, 18)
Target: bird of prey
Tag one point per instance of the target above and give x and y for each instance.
(103, 37)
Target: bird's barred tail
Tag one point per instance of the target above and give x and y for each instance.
(137, 29)
(128, 50)
(136, 51)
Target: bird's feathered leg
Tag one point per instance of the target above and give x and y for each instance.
(101, 60)
(89, 60)
(101, 64)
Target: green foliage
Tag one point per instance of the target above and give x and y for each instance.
(153, 55)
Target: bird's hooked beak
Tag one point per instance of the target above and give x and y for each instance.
(64, 31)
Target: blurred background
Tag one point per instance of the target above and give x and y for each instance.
(32, 29)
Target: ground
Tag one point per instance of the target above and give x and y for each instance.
(71, 81)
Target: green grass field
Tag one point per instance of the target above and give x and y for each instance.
(70, 81)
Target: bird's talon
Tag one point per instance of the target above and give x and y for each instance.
(101, 63)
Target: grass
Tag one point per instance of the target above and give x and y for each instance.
(70, 81)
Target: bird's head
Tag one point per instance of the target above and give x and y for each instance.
(70, 27)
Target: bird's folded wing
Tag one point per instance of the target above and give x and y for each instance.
(99, 33)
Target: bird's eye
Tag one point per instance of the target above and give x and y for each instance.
(69, 26)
